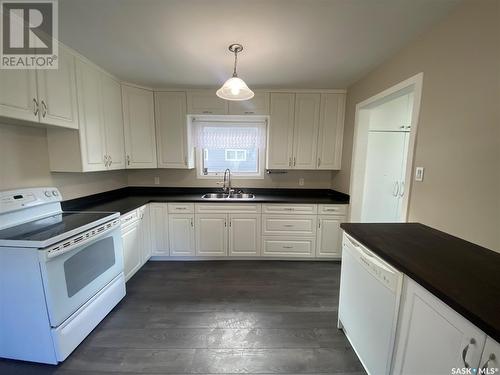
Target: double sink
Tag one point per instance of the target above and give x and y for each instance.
(224, 196)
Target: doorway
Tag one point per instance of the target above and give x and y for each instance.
(382, 160)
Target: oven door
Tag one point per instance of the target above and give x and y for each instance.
(74, 277)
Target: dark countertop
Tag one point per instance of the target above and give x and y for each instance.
(130, 198)
(463, 275)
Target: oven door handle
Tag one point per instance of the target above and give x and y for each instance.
(84, 238)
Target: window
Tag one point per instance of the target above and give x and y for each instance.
(236, 144)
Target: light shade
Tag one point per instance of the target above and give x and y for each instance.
(235, 89)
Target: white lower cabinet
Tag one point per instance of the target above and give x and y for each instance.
(159, 229)
(211, 234)
(145, 229)
(181, 234)
(244, 234)
(302, 247)
(329, 237)
(131, 237)
(432, 338)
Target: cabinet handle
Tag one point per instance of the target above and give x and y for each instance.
(230, 223)
(401, 189)
(402, 127)
(192, 223)
(465, 350)
(110, 160)
(491, 357)
(35, 107)
(319, 224)
(407, 127)
(290, 161)
(208, 112)
(294, 161)
(249, 112)
(287, 247)
(44, 108)
(288, 209)
(319, 162)
(225, 223)
(288, 225)
(181, 208)
(105, 159)
(128, 159)
(395, 189)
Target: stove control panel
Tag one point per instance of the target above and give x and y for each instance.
(14, 200)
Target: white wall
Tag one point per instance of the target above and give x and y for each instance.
(458, 140)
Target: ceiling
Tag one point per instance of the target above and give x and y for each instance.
(288, 43)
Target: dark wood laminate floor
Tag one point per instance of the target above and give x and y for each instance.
(221, 317)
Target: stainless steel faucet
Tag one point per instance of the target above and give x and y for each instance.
(227, 182)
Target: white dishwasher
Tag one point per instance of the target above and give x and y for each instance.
(370, 290)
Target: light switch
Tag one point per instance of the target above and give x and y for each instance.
(419, 174)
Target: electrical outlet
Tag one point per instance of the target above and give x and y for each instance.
(301, 181)
(157, 180)
(419, 174)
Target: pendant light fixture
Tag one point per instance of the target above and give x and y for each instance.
(235, 88)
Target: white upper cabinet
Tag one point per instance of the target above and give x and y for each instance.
(18, 97)
(393, 115)
(258, 105)
(331, 131)
(139, 125)
(173, 137)
(280, 132)
(57, 93)
(205, 102)
(98, 143)
(305, 133)
(113, 121)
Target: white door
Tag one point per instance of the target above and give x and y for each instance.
(258, 105)
(159, 229)
(131, 238)
(205, 102)
(329, 237)
(433, 338)
(171, 130)
(211, 234)
(139, 125)
(244, 234)
(280, 131)
(57, 93)
(18, 96)
(331, 131)
(384, 163)
(92, 134)
(113, 121)
(305, 132)
(181, 234)
(393, 115)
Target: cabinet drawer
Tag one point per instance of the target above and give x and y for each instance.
(293, 225)
(282, 246)
(301, 209)
(181, 208)
(129, 218)
(222, 208)
(332, 209)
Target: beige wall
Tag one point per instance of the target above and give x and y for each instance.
(178, 177)
(458, 140)
(24, 162)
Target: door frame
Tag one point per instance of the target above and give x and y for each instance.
(412, 84)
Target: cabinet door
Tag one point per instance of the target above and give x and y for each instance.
(159, 229)
(145, 228)
(280, 132)
(244, 234)
(18, 97)
(171, 130)
(432, 338)
(57, 93)
(181, 234)
(491, 356)
(258, 105)
(329, 237)
(139, 125)
(211, 234)
(331, 131)
(393, 115)
(305, 132)
(92, 135)
(131, 238)
(206, 102)
(113, 121)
